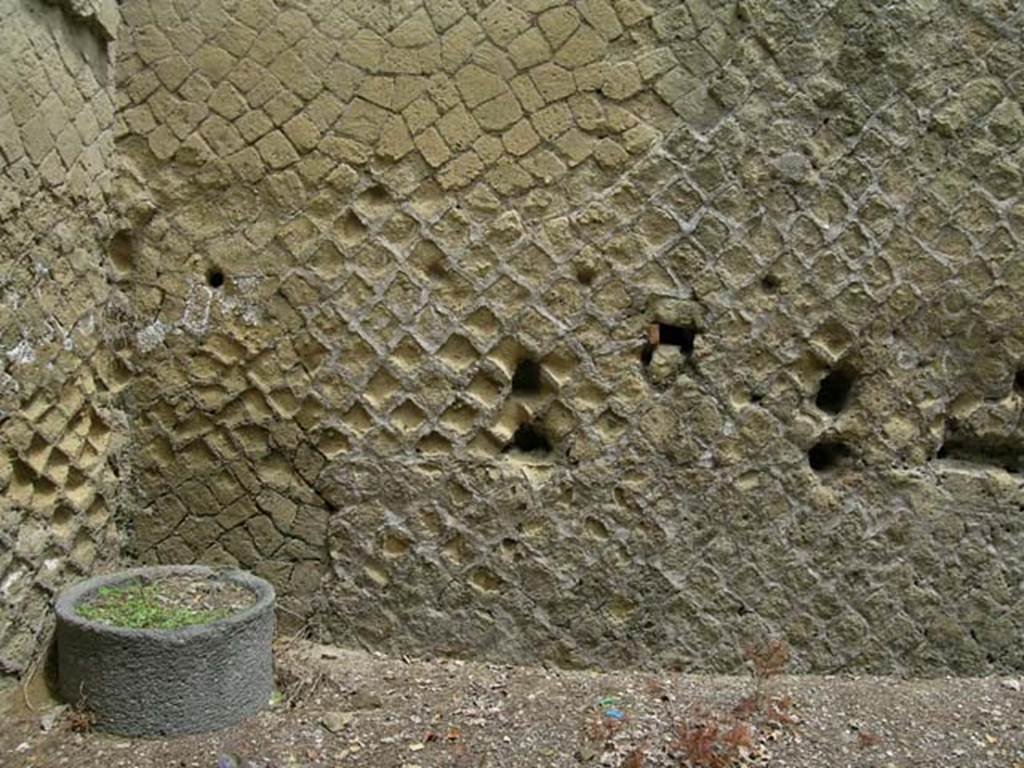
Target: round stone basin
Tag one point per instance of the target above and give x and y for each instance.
(163, 682)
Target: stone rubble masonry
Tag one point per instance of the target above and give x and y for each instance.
(598, 332)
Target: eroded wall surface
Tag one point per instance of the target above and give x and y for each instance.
(602, 332)
(60, 427)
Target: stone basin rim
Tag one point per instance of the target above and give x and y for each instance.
(72, 597)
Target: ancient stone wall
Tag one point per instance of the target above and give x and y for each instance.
(59, 367)
(601, 332)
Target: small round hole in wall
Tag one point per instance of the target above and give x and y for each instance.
(682, 336)
(827, 455)
(771, 283)
(1018, 380)
(215, 278)
(530, 439)
(526, 379)
(585, 274)
(834, 390)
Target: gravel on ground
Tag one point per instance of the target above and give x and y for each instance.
(341, 708)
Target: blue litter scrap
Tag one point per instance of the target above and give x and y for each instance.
(610, 710)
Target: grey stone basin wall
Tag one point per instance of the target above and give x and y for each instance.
(149, 682)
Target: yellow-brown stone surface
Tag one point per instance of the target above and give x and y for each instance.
(62, 350)
(601, 332)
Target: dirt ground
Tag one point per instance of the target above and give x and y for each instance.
(345, 708)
